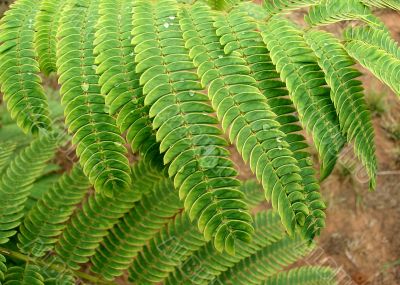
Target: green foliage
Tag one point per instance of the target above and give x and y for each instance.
(307, 88)
(100, 146)
(97, 215)
(66, 280)
(17, 180)
(47, 219)
(284, 6)
(379, 53)
(19, 79)
(45, 37)
(161, 84)
(391, 4)
(347, 96)
(253, 193)
(265, 262)
(119, 82)
(332, 11)
(138, 226)
(306, 275)
(24, 275)
(198, 162)
(3, 268)
(6, 151)
(176, 242)
(207, 265)
(251, 47)
(245, 114)
(221, 4)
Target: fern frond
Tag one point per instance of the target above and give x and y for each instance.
(245, 115)
(205, 264)
(137, 227)
(19, 79)
(88, 227)
(248, 41)
(46, 25)
(347, 95)
(221, 4)
(173, 244)
(118, 79)
(266, 262)
(64, 280)
(100, 147)
(391, 4)
(253, 10)
(333, 11)
(17, 180)
(283, 6)
(54, 273)
(305, 275)
(253, 193)
(44, 222)
(6, 151)
(376, 37)
(24, 275)
(297, 65)
(3, 268)
(371, 48)
(194, 149)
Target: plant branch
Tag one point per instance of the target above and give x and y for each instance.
(55, 267)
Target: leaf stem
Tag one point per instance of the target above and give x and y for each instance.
(55, 267)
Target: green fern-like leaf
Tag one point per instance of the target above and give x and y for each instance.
(245, 115)
(88, 227)
(100, 146)
(19, 79)
(305, 275)
(118, 79)
(284, 6)
(24, 275)
(221, 4)
(391, 4)
(253, 10)
(44, 223)
(6, 151)
(180, 238)
(239, 33)
(265, 262)
(138, 226)
(332, 11)
(46, 25)
(253, 193)
(62, 280)
(193, 147)
(306, 83)
(3, 268)
(347, 95)
(163, 253)
(54, 273)
(380, 38)
(17, 180)
(373, 49)
(205, 264)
